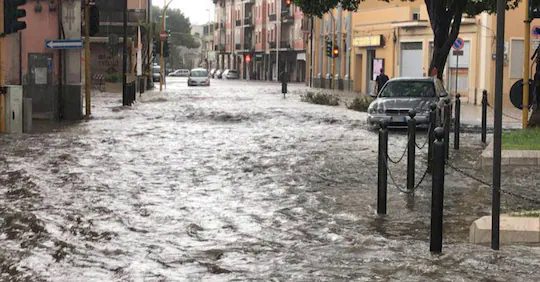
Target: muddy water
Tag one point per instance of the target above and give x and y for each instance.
(232, 182)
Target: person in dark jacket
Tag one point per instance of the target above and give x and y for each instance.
(381, 80)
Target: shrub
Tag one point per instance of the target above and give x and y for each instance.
(360, 104)
(320, 98)
(113, 77)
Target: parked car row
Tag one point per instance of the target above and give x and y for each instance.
(224, 74)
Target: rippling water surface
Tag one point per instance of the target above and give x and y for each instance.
(233, 182)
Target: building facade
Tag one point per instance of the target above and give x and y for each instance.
(397, 36)
(252, 36)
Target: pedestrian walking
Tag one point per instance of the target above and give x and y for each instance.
(381, 80)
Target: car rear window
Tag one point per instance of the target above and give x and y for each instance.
(199, 73)
(408, 89)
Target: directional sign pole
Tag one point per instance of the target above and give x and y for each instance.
(526, 54)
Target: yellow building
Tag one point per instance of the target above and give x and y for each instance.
(397, 36)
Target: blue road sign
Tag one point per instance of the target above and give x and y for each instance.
(458, 44)
(64, 44)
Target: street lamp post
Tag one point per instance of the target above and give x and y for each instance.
(161, 57)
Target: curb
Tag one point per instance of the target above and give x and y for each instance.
(513, 230)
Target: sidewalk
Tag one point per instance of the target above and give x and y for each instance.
(471, 116)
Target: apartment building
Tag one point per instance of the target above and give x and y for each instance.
(253, 35)
(397, 36)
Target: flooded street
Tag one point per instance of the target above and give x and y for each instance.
(233, 182)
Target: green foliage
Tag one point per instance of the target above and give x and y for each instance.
(178, 26)
(320, 98)
(360, 104)
(114, 77)
(472, 7)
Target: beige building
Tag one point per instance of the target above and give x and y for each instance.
(397, 36)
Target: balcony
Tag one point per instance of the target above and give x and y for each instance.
(284, 45)
(248, 21)
(219, 47)
(219, 25)
(272, 17)
(287, 16)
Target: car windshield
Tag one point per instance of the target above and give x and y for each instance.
(199, 73)
(233, 72)
(408, 89)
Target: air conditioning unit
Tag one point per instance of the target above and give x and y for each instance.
(416, 16)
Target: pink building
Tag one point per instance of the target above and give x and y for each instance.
(251, 35)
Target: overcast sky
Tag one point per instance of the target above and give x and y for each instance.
(195, 10)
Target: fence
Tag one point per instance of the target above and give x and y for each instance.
(438, 159)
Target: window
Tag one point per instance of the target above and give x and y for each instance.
(516, 58)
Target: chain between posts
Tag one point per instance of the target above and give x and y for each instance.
(481, 181)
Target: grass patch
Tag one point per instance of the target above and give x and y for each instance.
(320, 98)
(526, 213)
(360, 104)
(525, 139)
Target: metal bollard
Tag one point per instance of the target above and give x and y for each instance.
(437, 193)
(411, 151)
(484, 115)
(382, 182)
(284, 88)
(447, 121)
(431, 135)
(457, 120)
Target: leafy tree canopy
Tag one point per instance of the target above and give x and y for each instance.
(472, 7)
(178, 25)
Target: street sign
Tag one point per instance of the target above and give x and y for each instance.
(458, 44)
(457, 52)
(64, 44)
(163, 35)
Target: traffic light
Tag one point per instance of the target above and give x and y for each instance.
(335, 52)
(166, 50)
(247, 58)
(12, 14)
(94, 18)
(534, 9)
(156, 48)
(329, 48)
(288, 3)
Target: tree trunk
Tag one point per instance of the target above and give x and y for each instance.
(445, 23)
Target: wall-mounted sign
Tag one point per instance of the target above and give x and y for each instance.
(368, 41)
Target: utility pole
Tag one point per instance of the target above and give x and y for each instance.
(526, 55)
(87, 94)
(2, 101)
(124, 56)
(278, 35)
(497, 132)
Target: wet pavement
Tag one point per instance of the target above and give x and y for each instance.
(233, 182)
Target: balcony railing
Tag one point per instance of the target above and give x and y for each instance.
(248, 21)
(272, 17)
(285, 45)
(272, 44)
(219, 47)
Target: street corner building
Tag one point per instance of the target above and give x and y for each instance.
(397, 36)
(45, 59)
(261, 39)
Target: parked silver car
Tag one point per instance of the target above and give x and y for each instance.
(399, 96)
(230, 74)
(198, 77)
